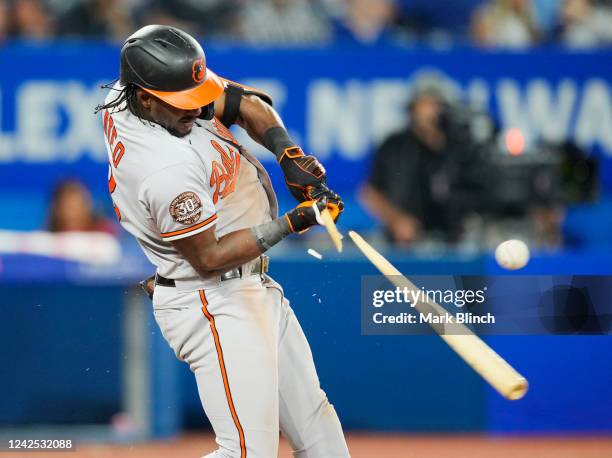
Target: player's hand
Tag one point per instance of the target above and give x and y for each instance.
(334, 202)
(148, 286)
(304, 216)
(303, 174)
(306, 180)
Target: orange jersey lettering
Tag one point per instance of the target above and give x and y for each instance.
(224, 173)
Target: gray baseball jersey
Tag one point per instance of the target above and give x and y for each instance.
(165, 188)
(240, 337)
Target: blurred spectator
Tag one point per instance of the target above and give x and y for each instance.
(585, 25)
(434, 21)
(4, 20)
(32, 20)
(71, 209)
(504, 24)
(367, 21)
(97, 19)
(415, 187)
(546, 14)
(202, 18)
(548, 220)
(515, 24)
(284, 22)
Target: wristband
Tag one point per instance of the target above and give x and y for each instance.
(277, 140)
(269, 234)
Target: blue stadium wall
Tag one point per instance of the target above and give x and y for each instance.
(338, 102)
(61, 332)
(62, 354)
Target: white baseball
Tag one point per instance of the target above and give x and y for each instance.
(512, 254)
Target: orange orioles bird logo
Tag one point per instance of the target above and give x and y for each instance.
(199, 71)
(224, 173)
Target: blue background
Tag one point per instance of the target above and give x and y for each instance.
(64, 341)
(355, 75)
(61, 325)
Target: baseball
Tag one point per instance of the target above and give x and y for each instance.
(512, 254)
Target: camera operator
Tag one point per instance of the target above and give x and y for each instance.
(425, 177)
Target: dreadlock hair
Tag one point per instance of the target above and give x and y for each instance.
(126, 94)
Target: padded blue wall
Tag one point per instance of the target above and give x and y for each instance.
(61, 353)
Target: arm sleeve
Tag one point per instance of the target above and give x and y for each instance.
(251, 91)
(178, 201)
(233, 98)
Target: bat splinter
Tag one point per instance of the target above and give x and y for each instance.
(325, 219)
(475, 352)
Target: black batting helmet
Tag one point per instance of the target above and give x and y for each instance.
(171, 65)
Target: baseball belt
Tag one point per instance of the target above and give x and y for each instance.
(257, 267)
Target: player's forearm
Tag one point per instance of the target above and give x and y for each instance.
(239, 247)
(257, 118)
(230, 251)
(305, 177)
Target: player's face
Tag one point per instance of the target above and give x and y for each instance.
(177, 121)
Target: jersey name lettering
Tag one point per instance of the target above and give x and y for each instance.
(110, 132)
(224, 174)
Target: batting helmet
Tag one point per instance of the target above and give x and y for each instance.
(171, 65)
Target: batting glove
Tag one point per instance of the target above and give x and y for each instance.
(304, 216)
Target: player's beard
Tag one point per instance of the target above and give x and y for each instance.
(182, 128)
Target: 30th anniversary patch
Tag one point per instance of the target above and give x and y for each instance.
(186, 208)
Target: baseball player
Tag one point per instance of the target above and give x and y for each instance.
(204, 212)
